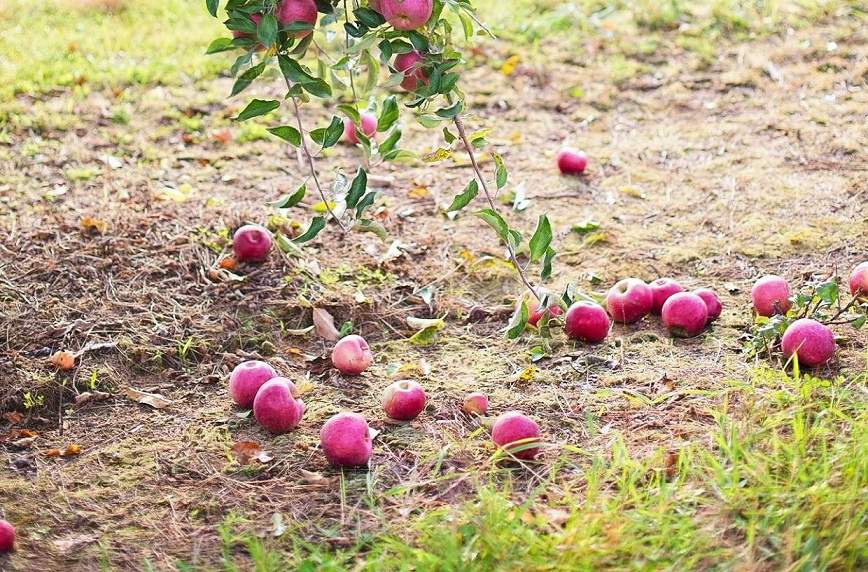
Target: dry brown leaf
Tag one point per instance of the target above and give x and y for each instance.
(223, 136)
(155, 400)
(52, 453)
(73, 543)
(89, 224)
(247, 451)
(325, 325)
(312, 478)
(228, 263)
(13, 417)
(24, 443)
(89, 396)
(71, 450)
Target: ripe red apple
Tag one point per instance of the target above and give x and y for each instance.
(572, 162)
(475, 403)
(7, 536)
(275, 406)
(352, 355)
(629, 300)
(770, 295)
(587, 322)
(514, 426)
(859, 280)
(534, 313)
(246, 379)
(369, 128)
(406, 14)
(251, 243)
(685, 315)
(346, 440)
(712, 302)
(810, 341)
(404, 400)
(289, 11)
(411, 66)
(662, 289)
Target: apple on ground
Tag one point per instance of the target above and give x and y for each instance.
(629, 300)
(811, 342)
(410, 64)
(406, 14)
(7, 536)
(346, 440)
(369, 128)
(770, 295)
(534, 313)
(712, 302)
(587, 321)
(251, 243)
(275, 406)
(475, 403)
(246, 379)
(404, 400)
(572, 162)
(859, 280)
(685, 315)
(662, 289)
(352, 355)
(513, 432)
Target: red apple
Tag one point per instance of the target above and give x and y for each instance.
(712, 302)
(629, 300)
(369, 128)
(685, 315)
(346, 440)
(662, 289)
(352, 355)
(246, 379)
(406, 14)
(514, 426)
(7, 536)
(275, 406)
(572, 162)
(289, 11)
(587, 322)
(859, 280)
(810, 341)
(251, 243)
(475, 403)
(404, 400)
(411, 66)
(534, 313)
(770, 295)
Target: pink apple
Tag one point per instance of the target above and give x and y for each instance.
(404, 400)
(346, 440)
(289, 11)
(275, 406)
(859, 280)
(712, 302)
(251, 243)
(246, 379)
(369, 128)
(534, 312)
(810, 341)
(662, 288)
(7, 536)
(475, 403)
(514, 426)
(352, 355)
(411, 66)
(770, 295)
(572, 162)
(587, 322)
(685, 315)
(629, 300)
(406, 14)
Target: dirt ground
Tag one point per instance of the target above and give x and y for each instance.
(710, 173)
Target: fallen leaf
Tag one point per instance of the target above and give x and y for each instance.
(73, 543)
(312, 478)
(179, 195)
(222, 136)
(325, 325)
(528, 374)
(24, 443)
(509, 65)
(89, 224)
(278, 527)
(155, 400)
(52, 453)
(418, 193)
(71, 449)
(247, 451)
(427, 329)
(228, 263)
(13, 417)
(89, 396)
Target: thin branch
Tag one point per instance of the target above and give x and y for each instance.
(842, 311)
(350, 68)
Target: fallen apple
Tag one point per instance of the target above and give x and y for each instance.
(404, 400)
(7, 536)
(352, 355)
(251, 243)
(811, 342)
(572, 162)
(346, 440)
(246, 379)
(587, 321)
(770, 295)
(275, 406)
(859, 280)
(712, 302)
(685, 315)
(629, 300)
(475, 403)
(514, 432)
(662, 289)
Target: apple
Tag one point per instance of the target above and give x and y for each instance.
(369, 128)
(712, 302)
(404, 400)
(810, 341)
(629, 300)
(685, 315)
(406, 14)
(410, 64)
(251, 243)
(346, 440)
(289, 11)
(534, 313)
(514, 426)
(662, 289)
(572, 162)
(859, 280)
(375, 6)
(352, 355)
(276, 407)
(246, 379)
(7, 536)
(587, 322)
(770, 295)
(475, 403)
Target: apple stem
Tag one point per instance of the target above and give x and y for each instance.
(459, 125)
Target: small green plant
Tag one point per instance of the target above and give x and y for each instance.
(31, 400)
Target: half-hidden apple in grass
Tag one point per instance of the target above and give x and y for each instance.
(859, 280)
(572, 162)
(475, 403)
(346, 440)
(712, 302)
(535, 312)
(811, 342)
(685, 315)
(514, 432)
(404, 400)
(662, 289)
(352, 355)
(251, 243)
(276, 407)
(770, 295)
(369, 128)
(406, 14)
(629, 300)
(246, 379)
(410, 64)
(7, 536)
(587, 322)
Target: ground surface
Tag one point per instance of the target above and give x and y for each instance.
(723, 147)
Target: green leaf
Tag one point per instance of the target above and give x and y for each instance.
(317, 224)
(518, 322)
(366, 225)
(247, 78)
(289, 201)
(546, 270)
(466, 24)
(266, 31)
(501, 175)
(357, 188)
(351, 112)
(859, 322)
(295, 27)
(219, 45)
(585, 227)
(212, 6)
(450, 112)
(293, 71)
(541, 239)
(373, 70)
(256, 108)
(828, 293)
(317, 87)
(448, 136)
(463, 199)
(389, 143)
(328, 136)
(366, 201)
(287, 133)
(389, 114)
(427, 329)
(496, 222)
(369, 18)
(244, 25)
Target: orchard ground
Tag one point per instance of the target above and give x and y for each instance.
(724, 144)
